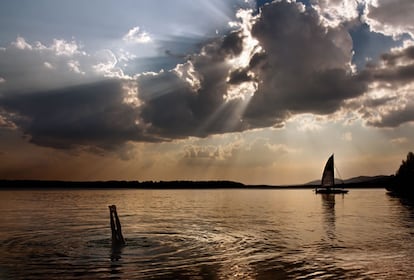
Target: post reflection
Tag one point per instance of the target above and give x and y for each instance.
(116, 269)
(116, 252)
(117, 241)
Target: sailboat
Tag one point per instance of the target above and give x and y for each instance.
(328, 179)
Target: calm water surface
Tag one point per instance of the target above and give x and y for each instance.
(206, 234)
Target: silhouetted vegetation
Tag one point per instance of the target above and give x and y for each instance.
(367, 182)
(404, 178)
(39, 184)
(406, 170)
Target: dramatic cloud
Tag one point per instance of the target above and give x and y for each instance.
(186, 101)
(246, 82)
(309, 72)
(189, 100)
(287, 60)
(94, 115)
(249, 69)
(397, 117)
(389, 101)
(55, 95)
(392, 17)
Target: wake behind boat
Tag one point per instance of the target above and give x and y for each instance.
(328, 180)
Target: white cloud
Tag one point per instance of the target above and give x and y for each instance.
(26, 65)
(335, 12)
(62, 47)
(74, 66)
(199, 152)
(399, 141)
(106, 64)
(125, 56)
(307, 122)
(187, 73)
(253, 153)
(134, 35)
(21, 44)
(48, 65)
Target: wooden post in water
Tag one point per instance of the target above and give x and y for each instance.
(117, 238)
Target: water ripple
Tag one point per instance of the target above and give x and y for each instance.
(220, 234)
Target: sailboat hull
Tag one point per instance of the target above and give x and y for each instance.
(331, 191)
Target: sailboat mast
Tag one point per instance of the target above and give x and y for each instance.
(333, 171)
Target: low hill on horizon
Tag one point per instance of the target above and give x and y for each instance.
(356, 180)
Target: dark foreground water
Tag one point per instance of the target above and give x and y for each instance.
(206, 234)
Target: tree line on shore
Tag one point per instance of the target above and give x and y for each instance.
(403, 180)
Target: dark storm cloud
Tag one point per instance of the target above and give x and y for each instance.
(400, 74)
(396, 68)
(167, 104)
(379, 101)
(87, 115)
(392, 58)
(258, 60)
(239, 76)
(396, 118)
(232, 44)
(175, 108)
(304, 67)
(394, 73)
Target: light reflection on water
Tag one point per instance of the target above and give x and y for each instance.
(206, 234)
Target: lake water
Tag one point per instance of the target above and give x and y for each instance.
(206, 234)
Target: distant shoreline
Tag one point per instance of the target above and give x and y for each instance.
(68, 185)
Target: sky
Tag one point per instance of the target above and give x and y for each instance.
(258, 92)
